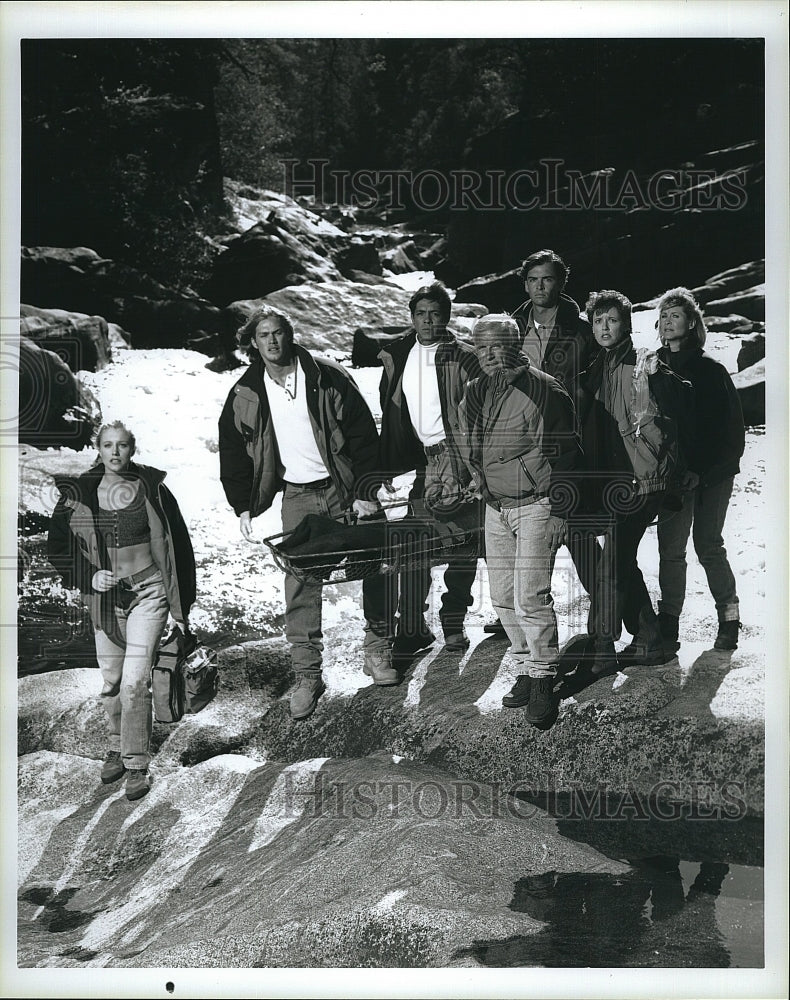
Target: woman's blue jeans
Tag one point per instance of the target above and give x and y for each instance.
(126, 671)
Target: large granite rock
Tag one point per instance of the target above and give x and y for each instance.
(750, 383)
(326, 315)
(752, 350)
(734, 279)
(55, 410)
(79, 280)
(749, 302)
(223, 844)
(83, 342)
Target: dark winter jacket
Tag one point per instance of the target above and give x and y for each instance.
(522, 443)
(345, 434)
(400, 449)
(77, 549)
(635, 442)
(571, 345)
(718, 427)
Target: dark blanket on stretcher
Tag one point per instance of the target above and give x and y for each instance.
(322, 541)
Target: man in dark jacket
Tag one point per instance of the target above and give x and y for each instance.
(425, 375)
(525, 456)
(297, 423)
(558, 341)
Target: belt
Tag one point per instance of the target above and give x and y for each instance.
(130, 581)
(317, 484)
(435, 449)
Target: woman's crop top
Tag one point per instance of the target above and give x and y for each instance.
(127, 526)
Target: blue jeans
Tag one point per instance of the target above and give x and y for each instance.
(126, 671)
(303, 600)
(706, 508)
(520, 563)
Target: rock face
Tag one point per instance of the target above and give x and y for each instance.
(83, 342)
(602, 210)
(55, 410)
(78, 280)
(750, 384)
(326, 315)
(749, 302)
(734, 279)
(219, 843)
(499, 292)
(287, 244)
(752, 350)
(392, 828)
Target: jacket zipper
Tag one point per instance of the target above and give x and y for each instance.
(528, 474)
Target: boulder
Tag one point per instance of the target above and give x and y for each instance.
(749, 302)
(435, 253)
(369, 340)
(499, 292)
(735, 279)
(750, 384)
(735, 325)
(357, 254)
(752, 350)
(326, 315)
(55, 410)
(402, 259)
(469, 310)
(263, 259)
(83, 342)
(78, 280)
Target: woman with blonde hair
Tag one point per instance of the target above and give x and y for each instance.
(117, 534)
(719, 444)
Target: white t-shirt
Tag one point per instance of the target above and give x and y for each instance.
(421, 389)
(299, 454)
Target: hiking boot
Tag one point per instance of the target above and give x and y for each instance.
(543, 702)
(378, 665)
(668, 627)
(112, 769)
(407, 644)
(455, 638)
(305, 695)
(647, 646)
(138, 783)
(727, 637)
(518, 695)
(602, 658)
(495, 628)
(642, 651)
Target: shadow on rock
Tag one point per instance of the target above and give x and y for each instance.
(642, 918)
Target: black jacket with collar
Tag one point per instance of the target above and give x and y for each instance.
(718, 436)
(400, 449)
(571, 346)
(343, 426)
(76, 548)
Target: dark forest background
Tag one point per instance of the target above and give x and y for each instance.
(125, 142)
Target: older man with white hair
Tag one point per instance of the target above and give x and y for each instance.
(524, 454)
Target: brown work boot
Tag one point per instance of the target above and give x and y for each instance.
(305, 695)
(112, 769)
(378, 665)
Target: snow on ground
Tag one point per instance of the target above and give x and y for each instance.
(172, 403)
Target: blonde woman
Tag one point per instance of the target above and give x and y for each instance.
(117, 534)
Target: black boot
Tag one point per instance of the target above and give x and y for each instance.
(728, 635)
(668, 626)
(647, 646)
